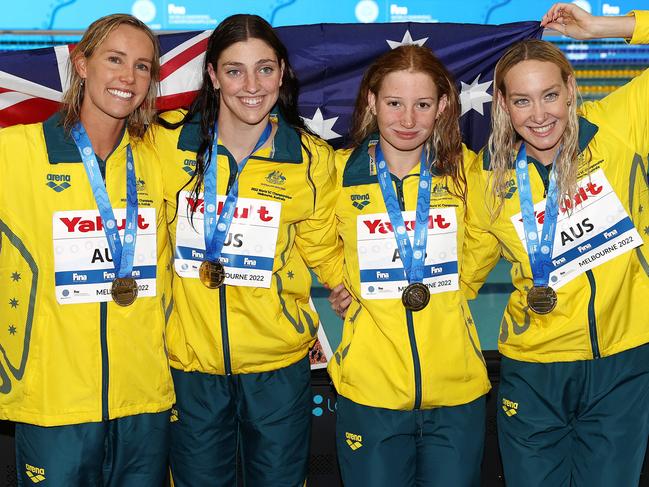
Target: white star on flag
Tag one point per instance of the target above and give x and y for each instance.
(322, 127)
(406, 41)
(474, 96)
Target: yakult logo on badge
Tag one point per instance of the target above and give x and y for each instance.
(384, 226)
(240, 212)
(58, 182)
(79, 224)
(585, 192)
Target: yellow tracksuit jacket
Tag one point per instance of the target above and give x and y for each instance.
(237, 329)
(74, 363)
(600, 312)
(388, 357)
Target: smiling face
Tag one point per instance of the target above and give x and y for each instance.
(117, 75)
(248, 76)
(406, 108)
(537, 100)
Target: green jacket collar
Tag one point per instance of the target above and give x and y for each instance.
(358, 168)
(61, 149)
(287, 146)
(587, 131)
(60, 146)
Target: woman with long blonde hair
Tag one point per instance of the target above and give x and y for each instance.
(84, 372)
(561, 193)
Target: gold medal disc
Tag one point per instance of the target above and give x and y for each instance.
(124, 291)
(542, 299)
(211, 274)
(416, 296)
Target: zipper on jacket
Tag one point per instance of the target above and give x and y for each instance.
(415, 358)
(411, 325)
(399, 185)
(544, 173)
(103, 319)
(225, 338)
(592, 321)
(225, 335)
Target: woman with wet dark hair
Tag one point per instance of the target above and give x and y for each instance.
(250, 201)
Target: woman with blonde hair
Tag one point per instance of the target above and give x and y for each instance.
(83, 371)
(409, 373)
(562, 194)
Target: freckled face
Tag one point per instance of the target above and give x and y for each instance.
(406, 108)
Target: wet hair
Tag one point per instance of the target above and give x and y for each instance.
(237, 28)
(503, 138)
(96, 34)
(446, 140)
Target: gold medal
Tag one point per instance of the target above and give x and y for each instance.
(124, 291)
(542, 299)
(416, 296)
(212, 274)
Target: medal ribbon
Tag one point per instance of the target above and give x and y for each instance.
(412, 255)
(122, 252)
(539, 250)
(216, 231)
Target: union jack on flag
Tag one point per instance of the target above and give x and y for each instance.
(329, 60)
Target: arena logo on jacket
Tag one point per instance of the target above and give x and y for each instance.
(189, 166)
(360, 201)
(58, 182)
(592, 229)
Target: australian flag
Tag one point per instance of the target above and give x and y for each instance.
(329, 60)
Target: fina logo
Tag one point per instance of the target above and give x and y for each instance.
(58, 182)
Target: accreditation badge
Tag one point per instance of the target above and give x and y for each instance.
(591, 229)
(381, 270)
(249, 248)
(83, 265)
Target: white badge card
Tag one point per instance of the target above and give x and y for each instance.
(596, 229)
(249, 248)
(381, 270)
(83, 265)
